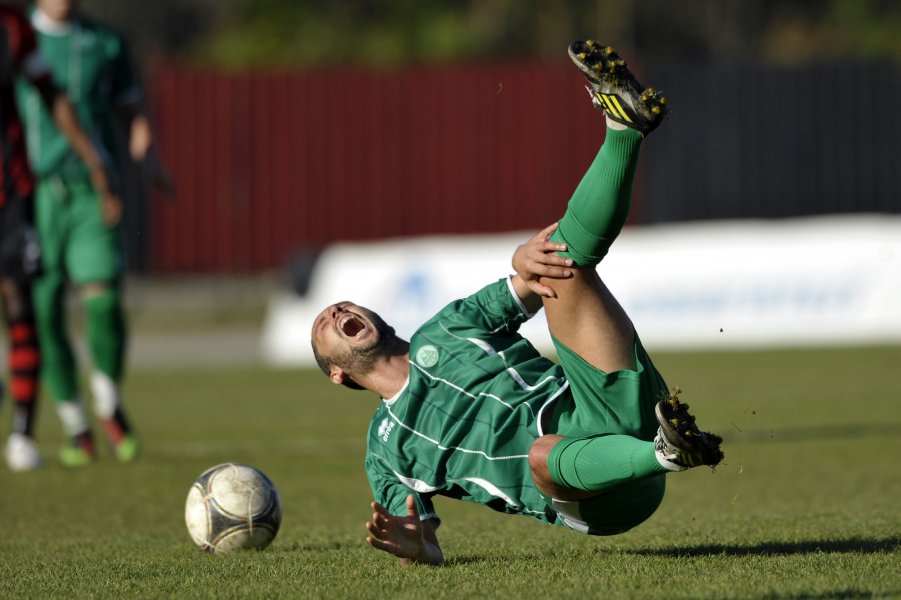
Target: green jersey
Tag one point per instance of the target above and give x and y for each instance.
(91, 63)
(473, 405)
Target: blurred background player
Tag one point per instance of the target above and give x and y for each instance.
(20, 255)
(79, 224)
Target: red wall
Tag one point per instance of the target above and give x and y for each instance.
(266, 164)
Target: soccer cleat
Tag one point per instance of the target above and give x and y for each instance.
(80, 451)
(127, 449)
(615, 90)
(119, 435)
(22, 453)
(679, 443)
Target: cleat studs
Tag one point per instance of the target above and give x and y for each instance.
(582, 56)
(662, 100)
(656, 110)
(608, 50)
(652, 91)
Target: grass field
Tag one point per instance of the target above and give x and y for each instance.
(805, 506)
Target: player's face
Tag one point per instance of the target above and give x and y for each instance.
(345, 328)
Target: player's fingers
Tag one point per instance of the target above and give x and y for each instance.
(556, 272)
(379, 509)
(380, 545)
(412, 511)
(375, 531)
(555, 259)
(548, 247)
(546, 232)
(542, 290)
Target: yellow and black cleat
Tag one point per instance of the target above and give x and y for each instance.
(615, 90)
(680, 440)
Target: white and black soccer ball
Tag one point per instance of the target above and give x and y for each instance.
(233, 507)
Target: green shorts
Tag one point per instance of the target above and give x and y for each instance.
(74, 238)
(603, 403)
(615, 511)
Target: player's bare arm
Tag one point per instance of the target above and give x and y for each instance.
(534, 260)
(67, 121)
(408, 538)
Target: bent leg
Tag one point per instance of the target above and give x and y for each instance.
(579, 468)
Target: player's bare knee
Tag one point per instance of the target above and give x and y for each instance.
(538, 455)
(11, 300)
(93, 289)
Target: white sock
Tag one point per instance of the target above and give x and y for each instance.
(71, 413)
(106, 395)
(665, 460)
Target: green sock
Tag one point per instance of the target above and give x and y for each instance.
(600, 205)
(106, 332)
(597, 463)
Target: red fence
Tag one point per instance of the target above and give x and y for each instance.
(267, 164)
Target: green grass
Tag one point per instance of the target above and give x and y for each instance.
(806, 505)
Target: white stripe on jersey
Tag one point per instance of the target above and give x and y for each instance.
(490, 351)
(415, 484)
(436, 442)
(547, 403)
(493, 490)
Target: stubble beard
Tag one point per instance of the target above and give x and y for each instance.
(358, 361)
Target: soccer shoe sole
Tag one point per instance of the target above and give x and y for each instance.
(615, 90)
(677, 425)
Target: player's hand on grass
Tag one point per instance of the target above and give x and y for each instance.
(400, 536)
(538, 258)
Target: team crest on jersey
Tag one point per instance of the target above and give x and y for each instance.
(385, 429)
(427, 356)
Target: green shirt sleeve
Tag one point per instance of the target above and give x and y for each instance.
(494, 309)
(392, 493)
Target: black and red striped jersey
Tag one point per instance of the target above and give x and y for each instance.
(19, 56)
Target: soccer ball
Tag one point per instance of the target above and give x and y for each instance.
(233, 507)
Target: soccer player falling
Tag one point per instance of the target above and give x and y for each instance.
(470, 410)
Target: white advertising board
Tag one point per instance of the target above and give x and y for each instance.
(743, 284)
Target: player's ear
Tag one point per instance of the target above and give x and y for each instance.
(337, 375)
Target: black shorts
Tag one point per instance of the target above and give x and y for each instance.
(20, 252)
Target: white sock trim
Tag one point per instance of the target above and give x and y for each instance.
(614, 125)
(106, 395)
(72, 414)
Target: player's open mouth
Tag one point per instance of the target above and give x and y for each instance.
(351, 325)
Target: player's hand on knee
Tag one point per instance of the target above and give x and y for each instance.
(538, 258)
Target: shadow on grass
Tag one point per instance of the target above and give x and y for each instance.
(853, 545)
